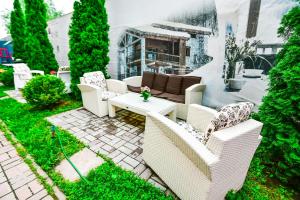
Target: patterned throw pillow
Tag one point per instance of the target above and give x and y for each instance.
(96, 79)
(191, 130)
(228, 116)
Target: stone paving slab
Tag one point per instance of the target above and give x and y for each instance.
(16, 94)
(17, 181)
(119, 138)
(85, 160)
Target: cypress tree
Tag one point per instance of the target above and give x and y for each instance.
(89, 40)
(280, 111)
(39, 43)
(17, 30)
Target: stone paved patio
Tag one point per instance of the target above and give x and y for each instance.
(17, 181)
(119, 138)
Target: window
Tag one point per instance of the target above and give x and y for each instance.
(188, 51)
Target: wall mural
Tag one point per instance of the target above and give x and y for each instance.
(231, 44)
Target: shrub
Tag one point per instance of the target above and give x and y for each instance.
(88, 41)
(17, 30)
(7, 76)
(43, 91)
(40, 51)
(280, 110)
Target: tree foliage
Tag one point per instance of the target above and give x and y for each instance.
(40, 51)
(52, 12)
(18, 30)
(280, 111)
(89, 40)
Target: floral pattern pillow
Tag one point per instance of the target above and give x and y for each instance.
(96, 79)
(191, 130)
(228, 116)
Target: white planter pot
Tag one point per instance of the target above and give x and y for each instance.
(65, 76)
(236, 84)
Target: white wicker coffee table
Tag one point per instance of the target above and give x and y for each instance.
(134, 103)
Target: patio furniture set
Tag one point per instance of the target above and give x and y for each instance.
(203, 163)
(203, 159)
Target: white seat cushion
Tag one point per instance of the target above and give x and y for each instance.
(105, 95)
(191, 130)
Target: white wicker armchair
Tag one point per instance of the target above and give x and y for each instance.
(194, 170)
(193, 95)
(22, 74)
(95, 92)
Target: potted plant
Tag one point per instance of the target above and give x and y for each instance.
(235, 54)
(145, 93)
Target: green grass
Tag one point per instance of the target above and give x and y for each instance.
(106, 182)
(4, 88)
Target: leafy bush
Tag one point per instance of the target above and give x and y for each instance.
(18, 31)
(38, 47)
(43, 91)
(280, 111)
(7, 76)
(88, 41)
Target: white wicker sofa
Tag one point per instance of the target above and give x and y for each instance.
(22, 74)
(194, 170)
(190, 95)
(96, 90)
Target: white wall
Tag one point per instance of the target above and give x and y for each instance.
(58, 35)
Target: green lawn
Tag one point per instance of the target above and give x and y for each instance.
(4, 88)
(106, 182)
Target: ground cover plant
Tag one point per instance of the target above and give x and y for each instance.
(4, 88)
(106, 182)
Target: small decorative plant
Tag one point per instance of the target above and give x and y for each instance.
(44, 91)
(145, 93)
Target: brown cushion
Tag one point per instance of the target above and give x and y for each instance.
(173, 97)
(160, 82)
(155, 92)
(188, 81)
(148, 78)
(134, 89)
(174, 84)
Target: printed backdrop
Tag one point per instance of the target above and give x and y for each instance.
(190, 37)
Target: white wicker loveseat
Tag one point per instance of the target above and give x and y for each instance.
(22, 74)
(96, 90)
(191, 93)
(194, 170)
